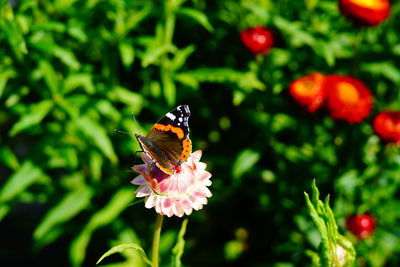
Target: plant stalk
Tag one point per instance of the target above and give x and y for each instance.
(358, 39)
(156, 240)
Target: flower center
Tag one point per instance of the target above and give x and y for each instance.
(348, 92)
(260, 38)
(373, 4)
(365, 223)
(307, 87)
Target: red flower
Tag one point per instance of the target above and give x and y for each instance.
(362, 226)
(309, 91)
(387, 126)
(347, 98)
(365, 12)
(258, 40)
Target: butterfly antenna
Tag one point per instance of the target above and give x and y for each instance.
(119, 131)
(134, 117)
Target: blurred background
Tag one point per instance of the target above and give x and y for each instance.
(73, 71)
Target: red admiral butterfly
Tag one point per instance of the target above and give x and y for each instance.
(168, 143)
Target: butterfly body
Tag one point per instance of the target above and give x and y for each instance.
(168, 143)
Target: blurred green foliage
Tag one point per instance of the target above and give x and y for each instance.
(73, 71)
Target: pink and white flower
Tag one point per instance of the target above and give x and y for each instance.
(175, 194)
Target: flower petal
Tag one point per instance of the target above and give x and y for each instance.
(143, 191)
(139, 180)
(142, 168)
(196, 156)
(146, 158)
(177, 194)
(150, 201)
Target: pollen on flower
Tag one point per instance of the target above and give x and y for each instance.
(175, 194)
(376, 4)
(348, 92)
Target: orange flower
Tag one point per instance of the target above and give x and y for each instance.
(365, 12)
(309, 91)
(387, 126)
(347, 98)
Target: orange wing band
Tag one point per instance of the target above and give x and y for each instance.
(187, 149)
(167, 171)
(178, 131)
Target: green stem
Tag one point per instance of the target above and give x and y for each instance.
(169, 23)
(356, 51)
(156, 240)
(169, 28)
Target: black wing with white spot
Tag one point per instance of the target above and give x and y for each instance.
(178, 117)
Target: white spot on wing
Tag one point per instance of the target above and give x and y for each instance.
(170, 116)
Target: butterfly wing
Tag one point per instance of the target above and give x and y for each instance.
(176, 120)
(168, 142)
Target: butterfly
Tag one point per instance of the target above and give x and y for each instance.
(168, 143)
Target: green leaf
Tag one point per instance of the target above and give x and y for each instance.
(34, 115)
(77, 32)
(153, 54)
(386, 69)
(311, 4)
(137, 16)
(118, 203)
(187, 80)
(169, 88)
(319, 223)
(180, 245)
(67, 208)
(76, 80)
(47, 71)
(4, 209)
(98, 136)
(5, 75)
(134, 100)
(244, 162)
(95, 164)
(328, 54)
(122, 247)
(26, 175)
(168, 240)
(103, 217)
(51, 236)
(238, 97)
(12, 31)
(67, 57)
(180, 57)
(298, 36)
(8, 158)
(127, 54)
(197, 16)
(244, 80)
(324, 220)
